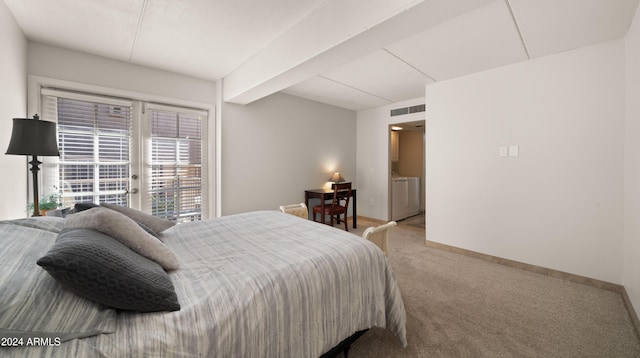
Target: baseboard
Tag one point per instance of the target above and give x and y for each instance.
(632, 311)
(608, 286)
(377, 221)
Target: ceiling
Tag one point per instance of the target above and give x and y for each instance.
(355, 54)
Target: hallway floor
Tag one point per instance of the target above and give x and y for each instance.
(417, 222)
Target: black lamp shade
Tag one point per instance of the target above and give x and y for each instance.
(33, 137)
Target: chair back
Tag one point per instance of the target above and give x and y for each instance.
(341, 192)
(378, 235)
(299, 210)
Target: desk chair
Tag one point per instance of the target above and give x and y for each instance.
(338, 206)
(378, 235)
(296, 209)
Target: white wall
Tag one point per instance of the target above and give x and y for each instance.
(632, 165)
(68, 65)
(275, 148)
(373, 157)
(560, 203)
(13, 104)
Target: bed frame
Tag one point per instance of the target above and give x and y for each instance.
(344, 346)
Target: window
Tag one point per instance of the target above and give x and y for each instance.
(175, 167)
(103, 159)
(94, 137)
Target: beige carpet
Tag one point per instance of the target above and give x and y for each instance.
(458, 306)
(417, 221)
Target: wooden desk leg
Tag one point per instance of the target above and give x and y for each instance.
(355, 211)
(306, 203)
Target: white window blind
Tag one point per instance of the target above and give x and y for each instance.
(154, 160)
(95, 138)
(176, 158)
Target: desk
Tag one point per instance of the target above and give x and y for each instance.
(327, 194)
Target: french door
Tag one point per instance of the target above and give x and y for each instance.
(175, 162)
(146, 156)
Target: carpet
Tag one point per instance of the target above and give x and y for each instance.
(414, 221)
(459, 306)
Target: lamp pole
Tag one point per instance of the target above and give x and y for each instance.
(35, 168)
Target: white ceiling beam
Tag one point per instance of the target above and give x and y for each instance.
(338, 32)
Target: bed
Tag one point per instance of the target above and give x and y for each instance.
(257, 284)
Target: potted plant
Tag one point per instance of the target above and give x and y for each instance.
(48, 202)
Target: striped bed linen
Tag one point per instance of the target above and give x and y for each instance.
(258, 284)
(32, 304)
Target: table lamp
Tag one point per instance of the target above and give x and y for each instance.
(33, 137)
(336, 178)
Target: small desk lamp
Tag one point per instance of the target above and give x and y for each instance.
(33, 137)
(336, 178)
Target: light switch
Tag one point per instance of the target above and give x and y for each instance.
(514, 150)
(504, 151)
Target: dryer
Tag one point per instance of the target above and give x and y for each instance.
(405, 197)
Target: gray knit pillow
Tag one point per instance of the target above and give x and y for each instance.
(126, 231)
(100, 268)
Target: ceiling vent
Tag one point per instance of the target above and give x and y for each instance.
(407, 110)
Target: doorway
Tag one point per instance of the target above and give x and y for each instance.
(406, 170)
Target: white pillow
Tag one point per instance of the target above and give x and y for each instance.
(127, 231)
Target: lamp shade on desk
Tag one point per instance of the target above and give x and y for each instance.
(336, 178)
